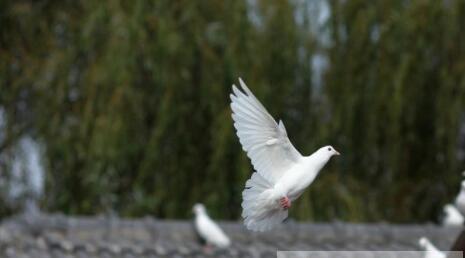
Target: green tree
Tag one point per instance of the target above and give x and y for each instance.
(130, 101)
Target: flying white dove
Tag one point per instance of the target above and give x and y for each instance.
(282, 173)
(208, 229)
(431, 250)
(460, 199)
(452, 216)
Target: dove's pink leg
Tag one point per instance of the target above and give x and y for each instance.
(207, 248)
(285, 202)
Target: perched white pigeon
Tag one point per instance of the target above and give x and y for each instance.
(460, 199)
(208, 229)
(452, 216)
(431, 250)
(282, 173)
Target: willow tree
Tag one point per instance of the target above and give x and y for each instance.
(130, 101)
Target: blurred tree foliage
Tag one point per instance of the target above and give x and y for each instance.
(130, 101)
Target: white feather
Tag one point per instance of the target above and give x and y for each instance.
(430, 250)
(265, 141)
(281, 171)
(208, 229)
(460, 199)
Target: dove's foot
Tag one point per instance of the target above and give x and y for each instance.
(285, 202)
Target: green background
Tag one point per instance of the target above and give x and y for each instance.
(129, 101)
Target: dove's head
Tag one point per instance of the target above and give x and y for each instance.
(463, 184)
(423, 242)
(328, 151)
(449, 208)
(198, 208)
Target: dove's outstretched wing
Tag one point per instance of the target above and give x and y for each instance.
(265, 141)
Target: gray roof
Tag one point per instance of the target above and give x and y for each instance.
(61, 236)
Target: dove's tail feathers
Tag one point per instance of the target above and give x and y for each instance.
(260, 211)
(270, 219)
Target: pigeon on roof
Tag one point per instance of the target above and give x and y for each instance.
(430, 250)
(207, 229)
(452, 216)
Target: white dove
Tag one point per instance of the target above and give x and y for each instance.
(282, 173)
(431, 250)
(460, 199)
(452, 216)
(208, 229)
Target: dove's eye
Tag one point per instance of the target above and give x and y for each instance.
(329, 149)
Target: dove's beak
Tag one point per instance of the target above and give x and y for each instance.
(337, 152)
